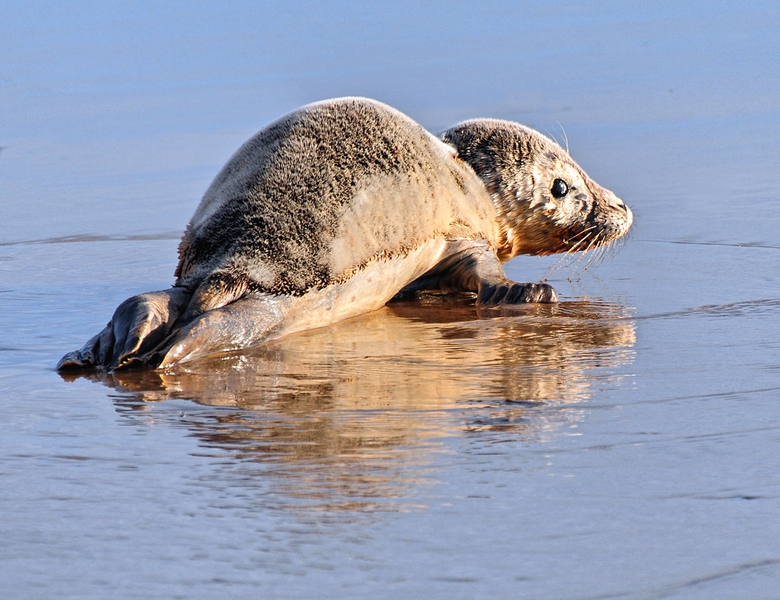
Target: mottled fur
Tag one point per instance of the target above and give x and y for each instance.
(332, 210)
(518, 167)
(319, 193)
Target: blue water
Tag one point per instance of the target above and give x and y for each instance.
(624, 444)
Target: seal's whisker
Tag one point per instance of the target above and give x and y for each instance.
(583, 232)
(552, 136)
(594, 245)
(614, 248)
(567, 258)
(575, 264)
(597, 257)
(605, 250)
(601, 251)
(565, 137)
(585, 245)
(585, 235)
(582, 245)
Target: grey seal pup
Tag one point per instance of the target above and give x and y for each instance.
(334, 209)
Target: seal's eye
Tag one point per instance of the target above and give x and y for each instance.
(559, 188)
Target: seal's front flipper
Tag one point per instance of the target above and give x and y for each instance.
(473, 266)
(138, 326)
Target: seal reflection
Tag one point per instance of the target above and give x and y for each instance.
(351, 416)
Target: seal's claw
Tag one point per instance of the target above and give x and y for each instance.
(516, 293)
(535, 292)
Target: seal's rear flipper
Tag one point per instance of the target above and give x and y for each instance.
(138, 326)
(242, 324)
(217, 290)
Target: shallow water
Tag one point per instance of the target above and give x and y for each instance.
(622, 444)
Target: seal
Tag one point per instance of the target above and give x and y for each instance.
(334, 209)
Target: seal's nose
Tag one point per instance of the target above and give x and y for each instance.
(618, 204)
(629, 216)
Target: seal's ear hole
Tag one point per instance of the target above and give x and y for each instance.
(559, 188)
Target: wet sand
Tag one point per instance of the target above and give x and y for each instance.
(622, 444)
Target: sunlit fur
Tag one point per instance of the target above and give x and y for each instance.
(518, 167)
(334, 209)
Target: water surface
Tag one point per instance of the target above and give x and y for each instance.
(622, 444)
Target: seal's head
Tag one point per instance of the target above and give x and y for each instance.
(545, 202)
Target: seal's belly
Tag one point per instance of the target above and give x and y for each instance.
(368, 289)
(257, 319)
